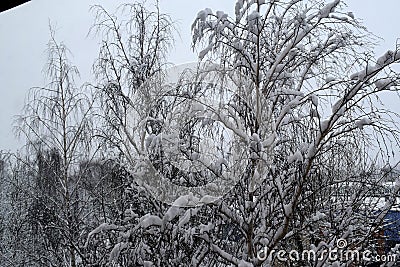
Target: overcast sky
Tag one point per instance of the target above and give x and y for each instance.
(24, 34)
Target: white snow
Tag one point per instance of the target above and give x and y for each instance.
(329, 79)
(296, 157)
(172, 212)
(208, 199)
(285, 91)
(328, 9)
(288, 209)
(364, 121)
(253, 16)
(255, 137)
(185, 219)
(270, 140)
(243, 263)
(238, 7)
(336, 106)
(385, 59)
(324, 125)
(311, 151)
(117, 250)
(196, 107)
(153, 141)
(314, 99)
(147, 264)
(202, 15)
(384, 83)
(205, 51)
(318, 216)
(150, 220)
(206, 228)
(221, 15)
(101, 228)
(186, 201)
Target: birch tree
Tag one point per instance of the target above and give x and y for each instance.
(57, 128)
(313, 126)
(285, 97)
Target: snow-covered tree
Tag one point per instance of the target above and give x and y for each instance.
(57, 127)
(274, 119)
(312, 131)
(133, 49)
(14, 231)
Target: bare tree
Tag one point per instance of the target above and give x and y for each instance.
(133, 50)
(57, 125)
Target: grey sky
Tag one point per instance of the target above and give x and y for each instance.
(24, 34)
